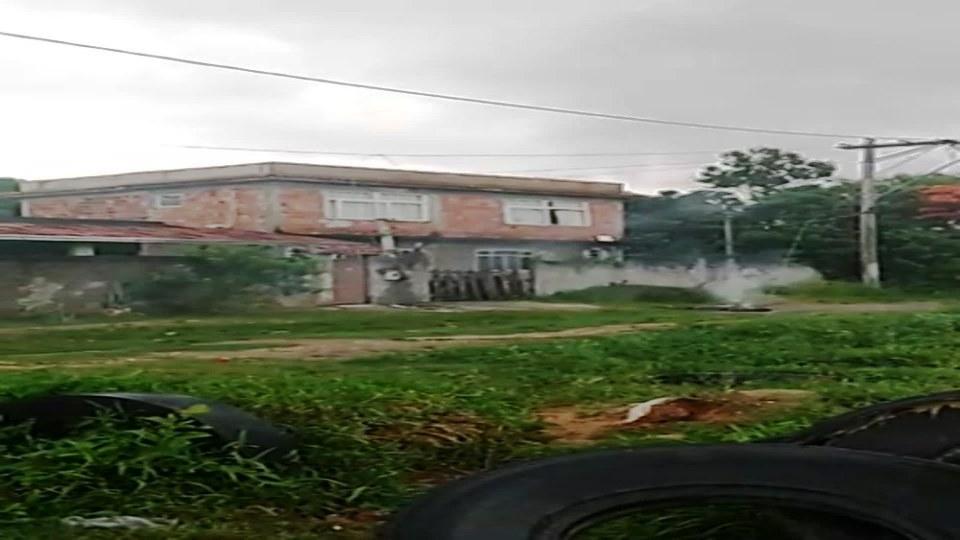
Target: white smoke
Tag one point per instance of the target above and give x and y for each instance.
(745, 286)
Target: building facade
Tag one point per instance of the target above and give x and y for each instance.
(457, 221)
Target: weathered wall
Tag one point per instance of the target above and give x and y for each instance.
(554, 278)
(299, 209)
(90, 284)
(399, 278)
(461, 254)
(80, 284)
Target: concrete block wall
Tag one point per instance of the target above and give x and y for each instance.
(79, 284)
(554, 278)
(89, 284)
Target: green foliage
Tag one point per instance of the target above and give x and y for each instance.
(152, 460)
(213, 279)
(814, 225)
(376, 431)
(9, 208)
(627, 294)
(674, 228)
(763, 170)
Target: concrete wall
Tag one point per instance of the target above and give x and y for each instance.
(399, 278)
(403, 277)
(461, 254)
(735, 286)
(79, 284)
(91, 284)
(300, 209)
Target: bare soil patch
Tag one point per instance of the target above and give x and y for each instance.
(574, 425)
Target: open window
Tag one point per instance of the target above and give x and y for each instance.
(547, 212)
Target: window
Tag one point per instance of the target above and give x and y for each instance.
(370, 205)
(169, 200)
(504, 259)
(596, 254)
(546, 212)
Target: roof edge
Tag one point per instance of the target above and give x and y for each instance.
(314, 172)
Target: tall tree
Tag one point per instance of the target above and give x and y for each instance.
(762, 171)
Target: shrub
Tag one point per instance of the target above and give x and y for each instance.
(214, 279)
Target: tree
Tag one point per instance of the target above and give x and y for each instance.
(812, 224)
(9, 208)
(762, 171)
(674, 228)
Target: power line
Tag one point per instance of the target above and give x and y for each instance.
(463, 155)
(428, 94)
(917, 154)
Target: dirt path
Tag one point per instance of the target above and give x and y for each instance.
(341, 349)
(319, 349)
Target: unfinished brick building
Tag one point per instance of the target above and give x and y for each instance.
(460, 221)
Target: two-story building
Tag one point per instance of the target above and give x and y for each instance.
(457, 221)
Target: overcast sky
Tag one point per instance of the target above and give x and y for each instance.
(883, 67)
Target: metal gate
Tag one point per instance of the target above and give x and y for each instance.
(349, 280)
(454, 285)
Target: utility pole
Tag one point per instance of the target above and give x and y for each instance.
(869, 257)
(728, 242)
(869, 244)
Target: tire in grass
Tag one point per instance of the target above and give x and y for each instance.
(56, 416)
(925, 427)
(556, 498)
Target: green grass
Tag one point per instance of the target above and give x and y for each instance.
(375, 431)
(843, 292)
(633, 294)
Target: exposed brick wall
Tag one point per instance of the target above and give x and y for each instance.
(127, 206)
(300, 210)
(478, 215)
(200, 208)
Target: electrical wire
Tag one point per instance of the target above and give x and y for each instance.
(430, 94)
(908, 159)
(441, 155)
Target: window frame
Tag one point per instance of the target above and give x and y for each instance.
(380, 201)
(546, 206)
(497, 253)
(159, 202)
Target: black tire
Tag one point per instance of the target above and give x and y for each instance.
(554, 498)
(57, 415)
(925, 427)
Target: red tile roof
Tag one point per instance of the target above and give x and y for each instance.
(941, 201)
(150, 232)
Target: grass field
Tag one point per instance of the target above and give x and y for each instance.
(375, 431)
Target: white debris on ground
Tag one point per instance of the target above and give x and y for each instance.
(118, 522)
(639, 410)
